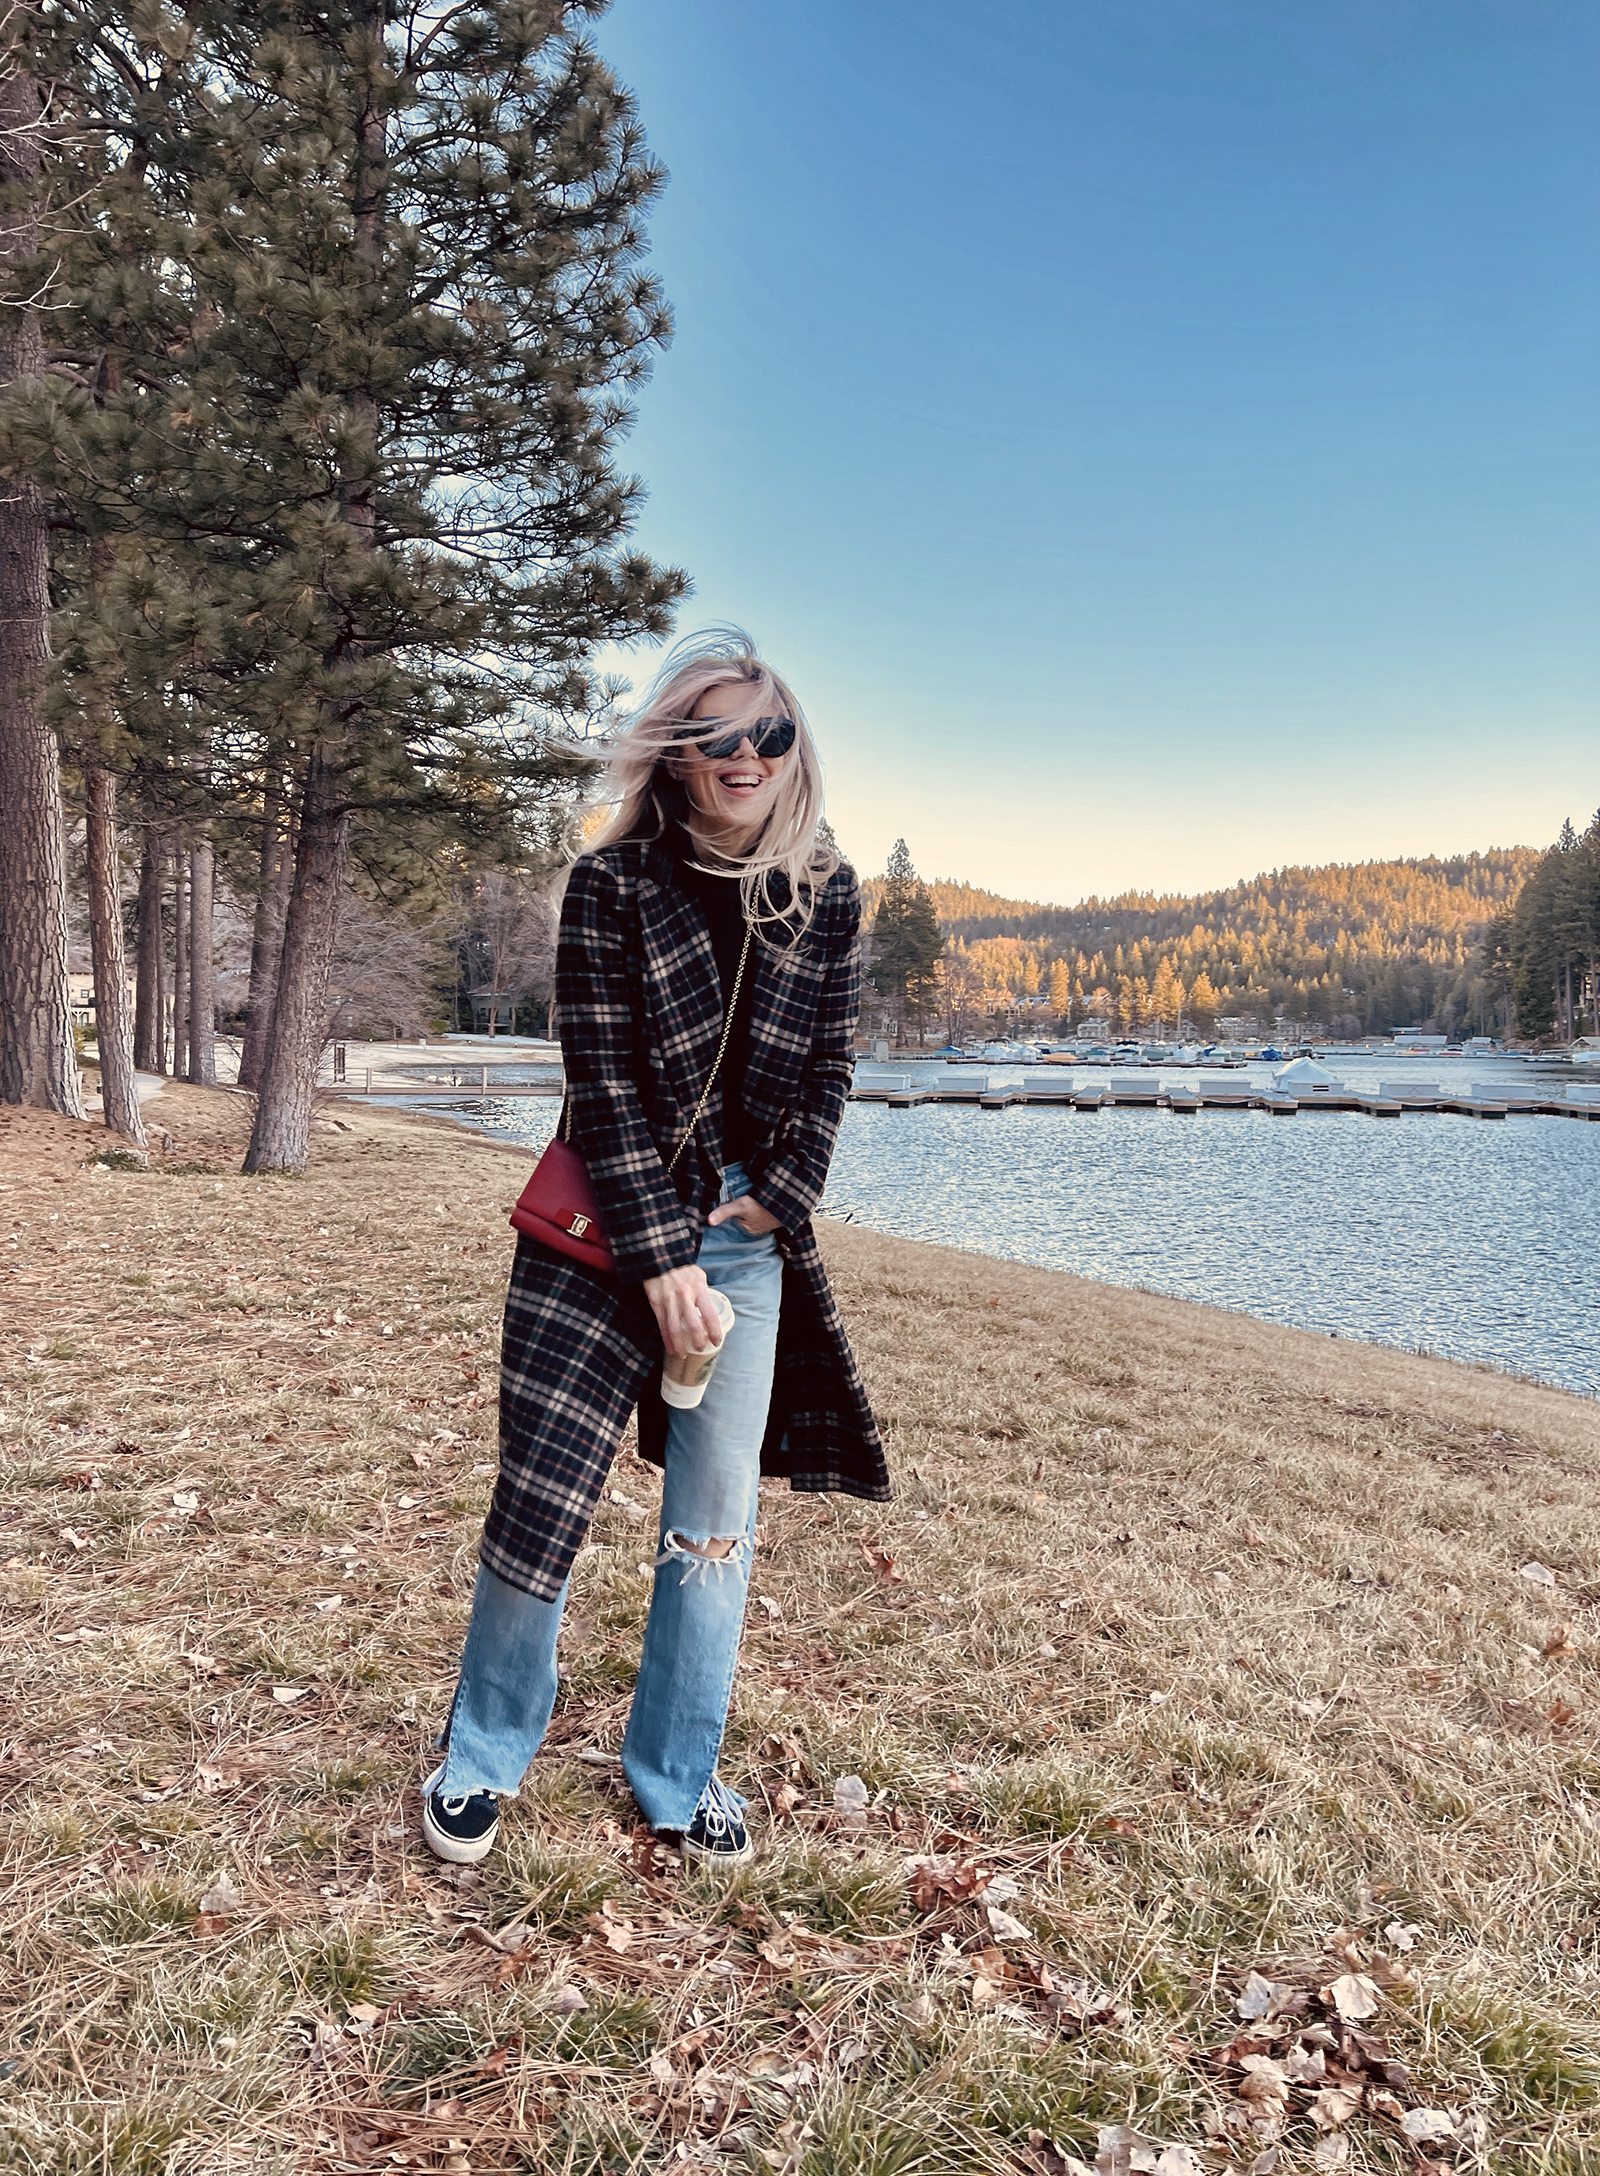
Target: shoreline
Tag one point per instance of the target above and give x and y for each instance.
(1217, 1645)
(876, 1217)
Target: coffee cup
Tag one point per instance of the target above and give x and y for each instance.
(684, 1376)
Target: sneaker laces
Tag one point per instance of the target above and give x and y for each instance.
(720, 1810)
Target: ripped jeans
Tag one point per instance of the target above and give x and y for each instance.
(507, 1687)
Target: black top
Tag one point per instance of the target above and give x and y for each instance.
(723, 909)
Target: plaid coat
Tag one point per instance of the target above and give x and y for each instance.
(641, 1015)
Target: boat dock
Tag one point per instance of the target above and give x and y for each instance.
(1390, 1099)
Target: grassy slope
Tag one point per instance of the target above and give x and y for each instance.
(1209, 1637)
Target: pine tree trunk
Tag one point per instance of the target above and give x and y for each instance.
(108, 950)
(166, 1012)
(37, 1064)
(180, 969)
(149, 1026)
(266, 941)
(202, 965)
(281, 1139)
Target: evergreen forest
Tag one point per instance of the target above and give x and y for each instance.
(1342, 951)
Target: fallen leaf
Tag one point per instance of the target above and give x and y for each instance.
(983, 1992)
(769, 1605)
(567, 2001)
(202, 1665)
(1561, 1713)
(1049, 2159)
(185, 1500)
(1401, 1937)
(1560, 1642)
(222, 1896)
(212, 1779)
(206, 1924)
(1354, 1996)
(73, 1538)
(1332, 2150)
(1122, 2151)
(1539, 1575)
(1005, 1928)
(880, 1561)
(329, 1601)
(785, 1798)
(619, 1936)
(850, 1797)
(662, 2071)
(287, 1695)
(937, 1881)
(1428, 2126)
(364, 2015)
(1335, 2105)
(1261, 1996)
(1265, 2082)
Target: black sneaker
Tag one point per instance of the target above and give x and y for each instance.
(717, 1835)
(460, 1828)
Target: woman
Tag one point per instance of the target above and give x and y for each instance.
(708, 918)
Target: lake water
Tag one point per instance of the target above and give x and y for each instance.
(1447, 1234)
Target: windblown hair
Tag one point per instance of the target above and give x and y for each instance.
(786, 868)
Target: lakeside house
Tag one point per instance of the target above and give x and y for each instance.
(80, 1000)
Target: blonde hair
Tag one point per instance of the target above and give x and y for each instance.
(647, 795)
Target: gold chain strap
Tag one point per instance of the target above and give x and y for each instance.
(716, 1063)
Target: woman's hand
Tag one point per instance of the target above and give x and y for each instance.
(684, 1312)
(748, 1213)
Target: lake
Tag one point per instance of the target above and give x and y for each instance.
(1434, 1232)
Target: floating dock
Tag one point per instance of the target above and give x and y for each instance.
(1389, 1099)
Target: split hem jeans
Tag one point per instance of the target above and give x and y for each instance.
(507, 1686)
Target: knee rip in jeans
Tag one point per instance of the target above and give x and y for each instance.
(711, 1554)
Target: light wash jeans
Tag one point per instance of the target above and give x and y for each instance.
(507, 1686)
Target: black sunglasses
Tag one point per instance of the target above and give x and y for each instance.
(767, 736)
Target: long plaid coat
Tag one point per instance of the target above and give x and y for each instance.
(641, 1015)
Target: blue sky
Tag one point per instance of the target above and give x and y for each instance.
(1158, 438)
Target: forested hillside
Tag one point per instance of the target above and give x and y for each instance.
(1344, 949)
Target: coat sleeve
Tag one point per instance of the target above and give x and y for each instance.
(648, 1228)
(789, 1183)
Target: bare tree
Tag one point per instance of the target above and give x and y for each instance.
(113, 1028)
(383, 973)
(149, 1002)
(202, 964)
(510, 933)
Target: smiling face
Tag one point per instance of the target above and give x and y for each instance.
(736, 794)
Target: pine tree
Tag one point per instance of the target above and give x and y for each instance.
(376, 308)
(906, 940)
(1204, 1003)
(1166, 996)
(37, 1063)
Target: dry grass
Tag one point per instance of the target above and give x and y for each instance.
(1209, 1640)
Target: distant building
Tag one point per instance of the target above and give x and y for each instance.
(1414, 1039)
(493, 1011)
(80, 999)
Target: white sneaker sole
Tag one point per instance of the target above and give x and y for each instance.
(699, 1855)
(456, 1850)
